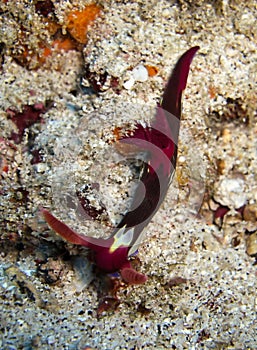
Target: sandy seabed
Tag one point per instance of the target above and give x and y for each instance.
(204, 235)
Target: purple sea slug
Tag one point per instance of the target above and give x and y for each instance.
(160, 140)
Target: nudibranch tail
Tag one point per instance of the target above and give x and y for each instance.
(171, 100)
(63, 230)
(106, 257)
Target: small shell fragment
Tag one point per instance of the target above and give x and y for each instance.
(129, 84)
(140, 73)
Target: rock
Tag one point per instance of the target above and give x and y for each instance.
(129, 84)
(230, 192)
(226, 135)
(250, 213)
(251, 244)
(140, 73)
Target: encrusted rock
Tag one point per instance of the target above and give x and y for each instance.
(230, 192)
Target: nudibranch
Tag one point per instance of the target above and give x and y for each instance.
(160, 140)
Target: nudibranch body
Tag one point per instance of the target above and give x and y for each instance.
(160, 140)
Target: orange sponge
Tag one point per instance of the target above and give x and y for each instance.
(78, 22)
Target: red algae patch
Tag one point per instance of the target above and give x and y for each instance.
(29, 116)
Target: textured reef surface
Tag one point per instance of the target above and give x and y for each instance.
(76, 78)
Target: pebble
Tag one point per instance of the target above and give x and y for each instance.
(250, 212)
(140, 73)
(221, 166)
(212, 205)
(226, 136)
(129, 84)
(251, 244)
(41, 167)
(182, 159)
(51, 340)
(230, 192)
